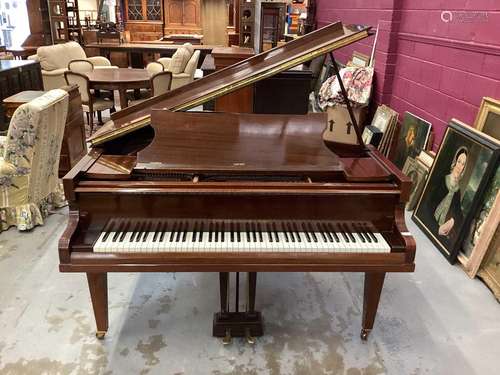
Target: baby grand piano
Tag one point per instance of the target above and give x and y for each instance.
(163, 190)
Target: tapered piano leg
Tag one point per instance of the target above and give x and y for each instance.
(252, 287)
(98, 286)
(224, 285)
(374, 281)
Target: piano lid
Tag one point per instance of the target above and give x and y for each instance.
(234, 143)
(224, 81)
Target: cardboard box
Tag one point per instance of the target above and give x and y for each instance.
(340, 128)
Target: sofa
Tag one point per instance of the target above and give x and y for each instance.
(54, 62)
(182, 65)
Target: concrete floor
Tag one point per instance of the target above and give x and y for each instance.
(434, 321)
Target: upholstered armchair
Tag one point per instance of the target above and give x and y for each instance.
(29, 163)
(182, 65)
(54, 62)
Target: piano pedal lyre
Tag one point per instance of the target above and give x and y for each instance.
(250, 339)
(100, 335)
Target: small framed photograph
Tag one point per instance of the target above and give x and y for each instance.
(464, 165)
(488, 117)
(372, 135)
(359, 59)
(417, 171)
(412, 138)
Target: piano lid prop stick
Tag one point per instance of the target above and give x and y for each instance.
(374, 46)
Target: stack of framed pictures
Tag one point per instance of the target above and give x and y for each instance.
(417, 169)
(481, 248)
(383, 127)
(460, 174)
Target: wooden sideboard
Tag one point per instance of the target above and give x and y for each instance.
(17, 76)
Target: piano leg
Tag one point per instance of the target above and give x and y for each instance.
(98, 286)
(374, 281)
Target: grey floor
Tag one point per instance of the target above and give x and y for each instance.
(434, 321)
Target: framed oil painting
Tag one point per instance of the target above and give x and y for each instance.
(488, 117)
(457, 180)
(359, 59)
(412, 138)
(482, 228)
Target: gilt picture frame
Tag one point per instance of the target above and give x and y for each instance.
(482, 229)
(454, 188)
(488, 117)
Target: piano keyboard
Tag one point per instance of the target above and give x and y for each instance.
(169, 236)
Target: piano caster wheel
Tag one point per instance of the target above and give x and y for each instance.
(250, 339)
(100, 335)
(226, 340)
(364, 334)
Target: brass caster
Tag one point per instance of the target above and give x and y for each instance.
(364, 334)
(100, 335)
(226, 340)
(249, 337)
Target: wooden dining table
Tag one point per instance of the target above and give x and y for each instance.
(119, 79)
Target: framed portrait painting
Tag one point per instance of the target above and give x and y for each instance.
(488, 117)
(412, 138)
(457, 180)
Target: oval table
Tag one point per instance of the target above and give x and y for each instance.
(120, 79)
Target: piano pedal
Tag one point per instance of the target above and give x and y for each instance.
(250, 339)
(238, 324)
(227, 339)
(100, 335)
(364, 333)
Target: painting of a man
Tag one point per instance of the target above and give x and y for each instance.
(412, 138)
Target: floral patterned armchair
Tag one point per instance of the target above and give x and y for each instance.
(29, 161)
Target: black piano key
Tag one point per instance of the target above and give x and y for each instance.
(312, 231)
(259, 232)
(327, 232)
(285, 232)
(232, 231)
(368, 230)
(125, 230)
(195, 229)
(349, 233)
(185, 232)
(238, 232)
(146, 231)
(290, 232)
(118, 231)
(180, 229)
(156, 233)
(173, 231)
(332, 231)
(296, 231)
(252, 230)
(210, 232)
(107, 229)
(200, 234)
(360, 233)
(216, 232)
(247, 229)
(269, 231)
(323, 236)
(222, 230)
(142, 231)
(365, 233)
(275, 231)
(304, 230)
(344, 235)
(136, 231)
(163, 228)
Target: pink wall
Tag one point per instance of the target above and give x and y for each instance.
(435, 69)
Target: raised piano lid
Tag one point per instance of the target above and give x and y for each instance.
(231, 144)
(224, 81)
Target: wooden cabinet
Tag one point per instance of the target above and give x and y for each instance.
(144, 19)
(272, 24)
(17, 76)
(182, 17)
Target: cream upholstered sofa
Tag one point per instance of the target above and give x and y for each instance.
(182, 65)
(29, 162)
(54, 62)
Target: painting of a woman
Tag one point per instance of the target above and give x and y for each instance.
(448, 213)
(455, 185)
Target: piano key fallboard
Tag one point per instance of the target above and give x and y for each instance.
(122, 235)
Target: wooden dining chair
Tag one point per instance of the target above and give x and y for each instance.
(160, 83)
(90, 102)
